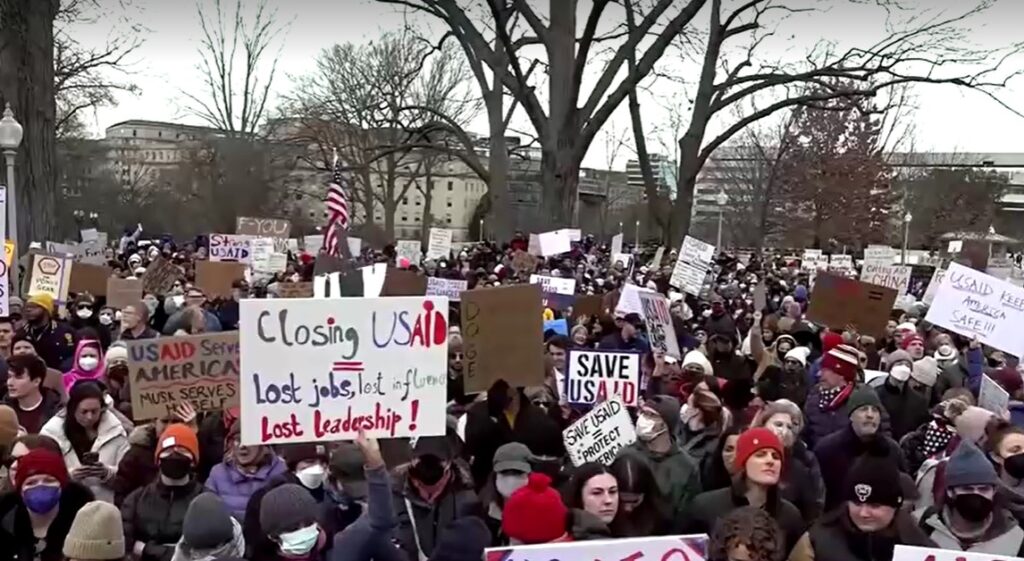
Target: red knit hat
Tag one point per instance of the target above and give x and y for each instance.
(752, 440)
(830, 340)
(905, 343)
(535, 513)
(841, 362)
(40, 462)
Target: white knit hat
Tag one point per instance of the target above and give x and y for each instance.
(799, 354)
(96, 534)
(926, 371)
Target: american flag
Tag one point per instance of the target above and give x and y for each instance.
(337, 211)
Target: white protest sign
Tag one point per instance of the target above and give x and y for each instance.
(439, 244)
(261, 249)
(616, 244)
(629, 300)
(933, 286)
(554, 243)
(575, 234)
(90, 252)
(972, 304)
(812, 260)
(955, 246)
(879, 255)
(329, 285)
(450, 288)
(594, 376)
(668, 548)
(5, 306)
(625, 258)
(992, 396)
(61, 248)
(554, 285)
(913, 553)
(692, 265)
(660, 332)
(409, 249)
(312, 244)
(319, 370)
(534, 247)
(840, 263)
(50, 274)
(658, 255)
(89, 234)
(355, 245)
(230, 247)
(600, 434)
(896, 277)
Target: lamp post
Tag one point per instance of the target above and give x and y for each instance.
(10, 138)
(906, 236)
(620, 227)
(721, 200)
(481, 229)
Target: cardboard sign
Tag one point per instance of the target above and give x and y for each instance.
(838, 301)
(450, 288)
(439, 244)
(660, 331)
(616, 244)
(992, 396)
(216, 278)
(123, 292)
(89, 278)
(199, 369)
(160, 276)
(50, 274)
(692, 265)
(319, 370)
(227, 247)
(8, 252)
(400, 282)
(600, 434)
(5, 293)
(263, 227)
(594, 376)
(972, 304)
(912, 553)
(295, 290)
(896, 277)
(502, 337)
(90, 252)
(933, 286)
(554, 243)
(409, 249)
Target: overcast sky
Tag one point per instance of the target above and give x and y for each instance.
(947, 119)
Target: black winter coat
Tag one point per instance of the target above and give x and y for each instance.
(485, 434)
(17, 542)
(907, 408)
(710, 507)
(835, 538)
(837, 452)
(802, 483)
(154, 515)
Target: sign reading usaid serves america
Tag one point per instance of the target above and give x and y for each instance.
(595, 376)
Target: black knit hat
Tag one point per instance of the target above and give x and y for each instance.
(874, 478)
(207, 523)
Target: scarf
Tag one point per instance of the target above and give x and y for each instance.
(832, 399)
(233, 548)
(936, 438)
(430, 493)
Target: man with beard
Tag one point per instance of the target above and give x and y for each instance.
(724, 360)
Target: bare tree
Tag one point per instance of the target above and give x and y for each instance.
(237, 67)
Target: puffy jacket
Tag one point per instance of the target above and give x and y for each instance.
(802, 483)
(154, 515)
(834, 538)
(710, 507)
(235, 487)
(419, 522)
(18, 543)
(111, 444)
(1004, 536)
(907, 408)
(485, 434)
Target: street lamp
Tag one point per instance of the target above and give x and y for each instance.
(906, 236)
(722, 199)
(481, 229)
(636, 235)
(620, 227)
(10, 138)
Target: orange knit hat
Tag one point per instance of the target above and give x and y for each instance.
(179, 435)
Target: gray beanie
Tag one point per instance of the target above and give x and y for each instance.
(969, 466)
(285, 509)
(207, 523)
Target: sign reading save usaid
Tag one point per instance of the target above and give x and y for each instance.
(595, 376)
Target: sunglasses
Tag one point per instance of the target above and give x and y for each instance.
(454, 356)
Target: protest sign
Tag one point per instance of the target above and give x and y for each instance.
(616, 244)
(262, 249)
(955, 246)
(295, 290)
(216, 278)
(123, 292)
(669, 548)
(313, 244)
(355, 245)
(5, 304)
(199, 369)
(840, 263)
(575, 234)
(227, 247)
(692, 265)
(972, 304)
(591, 305)
(558, 326)
(451, 288)
(502, 337)
(896, 277)
(594, 376)
(879, 255)
(89, 278)
(402, 282)
(89, 252)
(89, 234)
(263, 227)
(660, 332)
(160, 276)
(812, 260)
(439, 244)
(409, 249)
(8, 252)
(933, 286)
(50, 274)
(319, 370)
(992, 396)
(626, 259)
(558, 292)
(629, 300)
(554, 243)
(600, 434)
(534, 246)
(913, 553)
(838, 301)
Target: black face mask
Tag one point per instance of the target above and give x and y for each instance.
(973, 507)
(428, 470)
(175, 466)
(550, 468)
(1014, 465)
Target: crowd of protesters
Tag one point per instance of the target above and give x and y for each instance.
(765, 434)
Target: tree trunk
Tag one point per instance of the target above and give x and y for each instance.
(560, 175)
(26, 82)
(498, 163)
(560, 163)
(428, 200)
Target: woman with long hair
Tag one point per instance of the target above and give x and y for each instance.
(640, 500)
(718, 469)
(91, 438)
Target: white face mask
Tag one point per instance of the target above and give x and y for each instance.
(647, 428)
(88, 363)
(301, 541)
(84, 313)
(900, 373)
(105, 319)
(508, 484)
(312, 476)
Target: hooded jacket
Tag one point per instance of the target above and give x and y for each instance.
(111, 444)
(419, 523)
(79, 374)
(835, 538)
(1003, 537)
(234, 487)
